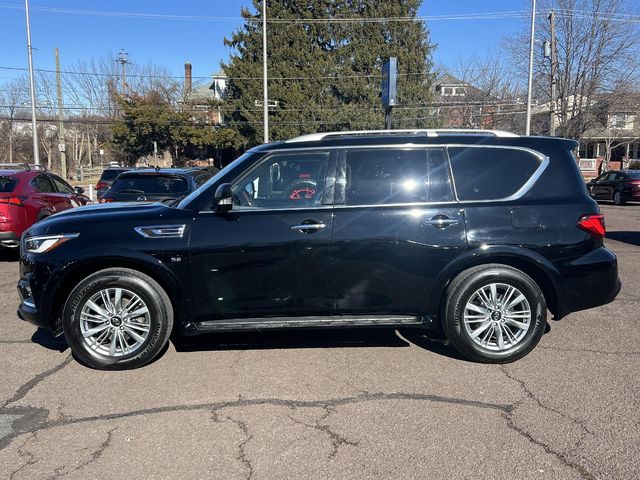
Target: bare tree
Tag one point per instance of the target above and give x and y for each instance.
(491, 97)
(597, 48)
(13, 107)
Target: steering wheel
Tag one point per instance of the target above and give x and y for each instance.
(302, 191)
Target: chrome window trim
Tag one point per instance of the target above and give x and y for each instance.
(544, 163)
(257, 210)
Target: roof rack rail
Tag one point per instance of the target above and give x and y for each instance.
(429, 132)
(21, 166)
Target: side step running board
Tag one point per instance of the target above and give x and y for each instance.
(309, 322)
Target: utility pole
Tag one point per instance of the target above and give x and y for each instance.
(123, 59)
(265, 91)
(530, 82)
(32, 88)
(554, 69)
(61, 145)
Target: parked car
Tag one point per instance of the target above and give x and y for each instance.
(475, 233)
(28, 196)
(155, 185)
(619, 186)
(106, 179)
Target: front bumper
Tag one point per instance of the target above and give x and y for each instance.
(27, 309)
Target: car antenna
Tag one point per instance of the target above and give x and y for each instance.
(157, 168)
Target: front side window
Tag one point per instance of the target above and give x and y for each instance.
(283, 180)
(62, 186)
(43, 184)
(395, 175)
(488, 173)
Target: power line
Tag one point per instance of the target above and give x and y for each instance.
(496, 15)
(318, 77)
(201, 18)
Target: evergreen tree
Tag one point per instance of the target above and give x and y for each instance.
(327, 75)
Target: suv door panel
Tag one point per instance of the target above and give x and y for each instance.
(386, 259)
(387, 256)
(271, 254)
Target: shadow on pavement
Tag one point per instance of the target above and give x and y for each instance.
(45, 338)
(337, 338)
(632, 238)
(9, 254)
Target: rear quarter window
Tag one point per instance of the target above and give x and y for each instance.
(490, 173)
(7, 184)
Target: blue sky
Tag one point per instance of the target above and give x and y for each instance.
(171, 42)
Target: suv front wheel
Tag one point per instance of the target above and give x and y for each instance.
(494, 314)
(117, 318)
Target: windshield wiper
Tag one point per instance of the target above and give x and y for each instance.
(130, 190)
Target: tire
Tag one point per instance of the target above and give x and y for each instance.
(464, 292)
(618, 199)
(138, 338)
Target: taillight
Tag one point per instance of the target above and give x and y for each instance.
(17, 201)
(106, 200)
(101, 185)
(592, 224)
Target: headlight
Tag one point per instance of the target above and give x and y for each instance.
(46, 243)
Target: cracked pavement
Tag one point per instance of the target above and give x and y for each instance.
(333, 404)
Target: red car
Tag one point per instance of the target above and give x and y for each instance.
(27, 196)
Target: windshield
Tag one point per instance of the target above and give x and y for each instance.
(635, 174)
(185, 201)
(150, 184)
(7, 184)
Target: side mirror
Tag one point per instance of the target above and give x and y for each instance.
(79, 190)
(223, 198)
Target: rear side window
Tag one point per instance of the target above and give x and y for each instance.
(388, 176)
(151, 184)
(490, 173)
(7, 184)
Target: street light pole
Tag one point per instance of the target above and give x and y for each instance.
(265, 92)
(530, 86)
(32, 88)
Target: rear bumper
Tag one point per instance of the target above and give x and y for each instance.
(589, 281)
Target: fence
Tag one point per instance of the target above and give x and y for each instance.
(89, 174)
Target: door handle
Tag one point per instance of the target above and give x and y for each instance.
(309, 227)
(441, 221)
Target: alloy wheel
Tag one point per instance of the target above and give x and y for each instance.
(497, 316)
(115, 322)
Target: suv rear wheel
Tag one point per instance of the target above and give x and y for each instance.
(494, 314)
(117, 318)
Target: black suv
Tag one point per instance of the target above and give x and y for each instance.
(155, 184)
(476, 233)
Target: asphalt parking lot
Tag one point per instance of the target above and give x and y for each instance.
(341, 404)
